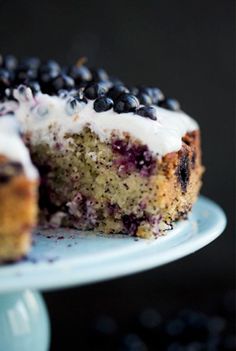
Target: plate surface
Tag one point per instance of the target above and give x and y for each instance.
(61, 258)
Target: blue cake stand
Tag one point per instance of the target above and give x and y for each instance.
(62, 258)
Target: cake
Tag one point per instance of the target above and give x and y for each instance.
(111, 159)
(18, 192)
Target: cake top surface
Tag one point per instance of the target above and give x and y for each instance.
(48, 100)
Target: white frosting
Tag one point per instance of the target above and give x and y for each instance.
(12, 146)
(44, 114)
(44, 117)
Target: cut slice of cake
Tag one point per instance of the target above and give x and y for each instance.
(18, 193)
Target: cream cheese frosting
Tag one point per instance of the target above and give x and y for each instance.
(43, 116)
(12, 147)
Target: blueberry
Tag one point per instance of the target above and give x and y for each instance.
(106, 325)
(31, 63)
(116, 91)
(175, 327)
(126, 103)
(49, 66)
(94, 90)
(10, 62)
(23, 73)
(170, 104)
(147, 111)
(46, 77)
(156, 95)
(131, 223)
(133, 342)
(62, 81)
(99, 74)
(103, 103)
(73, 105)
(134, 90)
(183, 172)
(33, 85)
(4, 79)
(144, 99)
(146, 90)
(80, 74)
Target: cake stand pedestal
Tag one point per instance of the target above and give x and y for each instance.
(24, 322)
(64, 257)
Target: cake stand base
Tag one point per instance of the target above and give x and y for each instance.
(24, 322)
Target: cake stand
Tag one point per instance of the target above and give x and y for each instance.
(62, 258)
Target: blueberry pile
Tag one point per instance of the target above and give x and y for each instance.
(148, 330)
(89, 84)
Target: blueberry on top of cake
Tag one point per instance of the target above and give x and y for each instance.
(111, 157)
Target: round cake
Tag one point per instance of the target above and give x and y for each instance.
(110, 158)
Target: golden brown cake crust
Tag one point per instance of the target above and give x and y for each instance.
(178, 181)
(18, 214)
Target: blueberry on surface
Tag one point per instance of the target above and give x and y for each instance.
(102, 104)
(126, 103)
(156, 95)
(134, 90)
(80, 74)
(170, 104)
(9, 62)
(4, 79)
(144, 99)
(24, 73)
(62, 81)
(99, 74)
(46, 77)
(49, 66)
(148, 112)
(145, 90)
(31, 63)
(94, 90)
(73, 105)
(116, 91)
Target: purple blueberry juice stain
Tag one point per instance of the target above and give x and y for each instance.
(183, 172)
(112, 209)
(131, 223)
(134, 157)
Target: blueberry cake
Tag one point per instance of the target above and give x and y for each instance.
(111, 158)
(18, 192)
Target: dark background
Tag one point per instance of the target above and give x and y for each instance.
(187, 49)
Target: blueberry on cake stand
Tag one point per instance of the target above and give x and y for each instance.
(62, 258)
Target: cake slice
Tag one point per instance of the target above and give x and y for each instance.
(18, 192)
